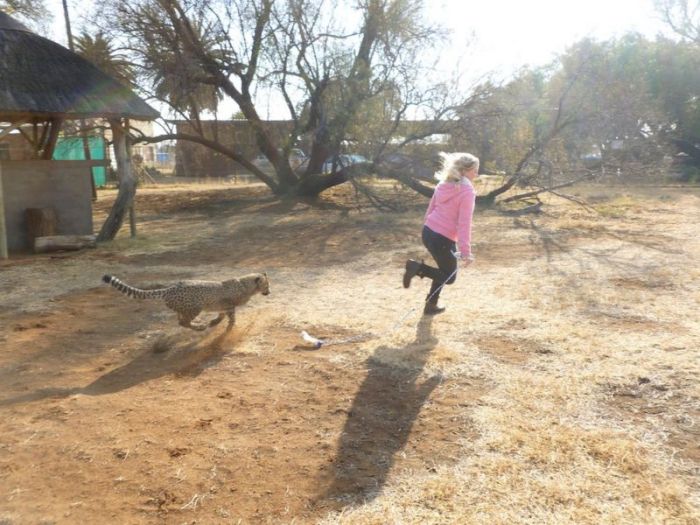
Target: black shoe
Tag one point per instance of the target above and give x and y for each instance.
(412, 268)
(432, 309)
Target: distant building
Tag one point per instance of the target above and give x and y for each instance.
(196, 160)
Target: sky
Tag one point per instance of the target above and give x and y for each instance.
(508, 34)
(494, 37)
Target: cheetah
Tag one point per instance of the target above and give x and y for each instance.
(189, 298)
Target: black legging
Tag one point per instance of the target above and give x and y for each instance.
(441, 248)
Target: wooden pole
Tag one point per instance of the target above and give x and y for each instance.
(132, 211)
(3, 230)
(88, 156)
(69, 33)
(52, 138)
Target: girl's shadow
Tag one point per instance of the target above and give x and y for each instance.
(381, 417)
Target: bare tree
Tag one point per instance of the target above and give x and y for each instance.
(682, 16)
(31, 10)
(337, 70)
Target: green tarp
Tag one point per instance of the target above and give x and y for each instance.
(71, 148)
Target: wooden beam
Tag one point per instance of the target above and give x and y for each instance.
(14, 117)
(3, 228)
(41, 143)
(53, 137)
(132, 212)
(35, 138)
(12, 127)
(73, 164)
(27, 137)
(96, 162)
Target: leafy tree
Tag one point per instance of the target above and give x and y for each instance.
(102, 52)
(679, 76)
(676, 84)
(618, 114)
(624, 99)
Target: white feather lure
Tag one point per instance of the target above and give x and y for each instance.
(310, 339)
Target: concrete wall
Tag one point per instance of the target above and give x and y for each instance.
(62, 185)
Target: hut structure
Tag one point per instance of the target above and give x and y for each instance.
(42, 85)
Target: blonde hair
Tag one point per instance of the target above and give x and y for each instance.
(453, 164)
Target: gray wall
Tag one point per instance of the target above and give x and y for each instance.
(59, 184)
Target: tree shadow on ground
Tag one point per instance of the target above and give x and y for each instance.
(324, 241)
(178, 353)
(381, 418)
(554, 240)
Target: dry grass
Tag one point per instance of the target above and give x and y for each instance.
(577, 328)
(548, 334)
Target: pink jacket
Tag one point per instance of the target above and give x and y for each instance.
(450, 213)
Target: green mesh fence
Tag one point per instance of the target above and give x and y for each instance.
(71, 148)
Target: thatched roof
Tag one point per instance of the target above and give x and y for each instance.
(39, 77)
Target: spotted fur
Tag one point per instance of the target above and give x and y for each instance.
(189, 298)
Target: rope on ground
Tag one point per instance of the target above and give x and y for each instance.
(318, 343)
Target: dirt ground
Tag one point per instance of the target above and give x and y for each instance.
(560, 386)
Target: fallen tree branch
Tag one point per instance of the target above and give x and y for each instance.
(550, 189)
(374, 199)
(573, 199)
(415, 185)
(409, 172)
(535, 208)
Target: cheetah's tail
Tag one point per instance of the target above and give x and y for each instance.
(131, 291)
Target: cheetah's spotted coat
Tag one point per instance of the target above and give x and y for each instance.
(189, 298)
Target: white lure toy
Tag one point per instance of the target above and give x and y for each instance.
(317, 343)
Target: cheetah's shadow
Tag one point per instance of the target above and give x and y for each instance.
(175, 352)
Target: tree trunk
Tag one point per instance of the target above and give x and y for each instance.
(127, 183)
(87, 155)
(314, 185)
(485, 201)
(3, 229)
